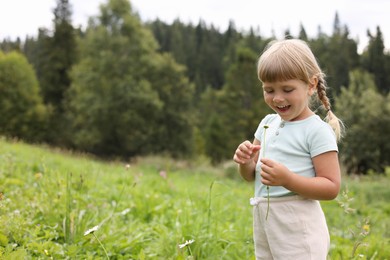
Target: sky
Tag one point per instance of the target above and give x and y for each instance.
(19, 18)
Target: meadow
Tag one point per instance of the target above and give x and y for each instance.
(61, 205)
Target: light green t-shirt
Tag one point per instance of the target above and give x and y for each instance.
(293, 144)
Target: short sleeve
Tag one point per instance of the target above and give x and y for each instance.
(323, 140)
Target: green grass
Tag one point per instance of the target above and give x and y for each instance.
(51, 197)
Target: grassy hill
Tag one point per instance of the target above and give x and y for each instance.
(57, 204)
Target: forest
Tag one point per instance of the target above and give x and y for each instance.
(124, 88)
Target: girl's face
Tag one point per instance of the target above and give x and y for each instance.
(290, 99)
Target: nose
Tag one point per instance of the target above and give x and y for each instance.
(278, 97)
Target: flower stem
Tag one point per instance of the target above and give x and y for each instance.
(101, 245)
(265, 130)
(266, 216)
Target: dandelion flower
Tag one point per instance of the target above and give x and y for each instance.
(366, 227)
(91, 230)
(188, 242)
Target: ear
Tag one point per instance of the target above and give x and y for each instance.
(312, 85)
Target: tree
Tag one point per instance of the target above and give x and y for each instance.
(7, 45)
(385, 124)
(62, 54)
(201, 49)
(337, 56)
(215, 139)
(336, 25)
(123, 97)
(238, 108)
(366, 116)
(177, 119)
(302, 33)
(375, 61)
(23, 114)
(53, 54)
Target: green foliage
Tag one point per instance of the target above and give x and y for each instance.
(176, 120)
(366, 116)
(374, 61)
(147, 209)
(7, 45)
(61, 54)
(361, 231)
(200, 48)
(126, 99)
(22, 111)
(337, 55)
(215, 138)
(52, 55)
(236, 109)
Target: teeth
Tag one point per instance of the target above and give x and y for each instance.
(282, 106)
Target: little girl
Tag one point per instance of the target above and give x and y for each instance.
(298, 162)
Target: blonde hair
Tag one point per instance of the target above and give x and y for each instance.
(293, 59)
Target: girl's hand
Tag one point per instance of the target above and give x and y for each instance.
(245, 152)
(274, 173)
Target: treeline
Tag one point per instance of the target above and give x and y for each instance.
(124, 88)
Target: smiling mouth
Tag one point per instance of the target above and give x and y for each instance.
(283, 108)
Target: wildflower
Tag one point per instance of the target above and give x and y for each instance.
(91, 230)
(188, 242)
(127, 166)
(38, 175)
(366, 228)
(163, 174)
(125, 211)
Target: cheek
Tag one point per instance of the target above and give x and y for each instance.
(268, 97)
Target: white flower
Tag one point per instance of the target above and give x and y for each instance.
(188, 242)
(89, 231)
(124, 212)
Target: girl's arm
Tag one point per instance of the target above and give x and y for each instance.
(246, 156)
(325, 186)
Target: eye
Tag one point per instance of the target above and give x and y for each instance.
(288, 90)
(268, 91)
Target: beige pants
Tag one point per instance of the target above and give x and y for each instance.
(295, 229)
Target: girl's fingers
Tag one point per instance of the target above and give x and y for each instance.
(245, 151)
(256, 148)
